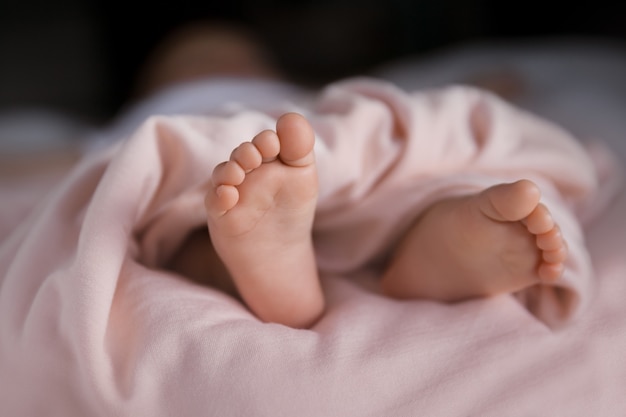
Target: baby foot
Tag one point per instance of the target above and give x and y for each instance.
(260, 210)
(500, 240)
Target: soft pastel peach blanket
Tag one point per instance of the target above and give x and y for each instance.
(92, 325)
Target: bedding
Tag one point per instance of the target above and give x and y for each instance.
(91, 323)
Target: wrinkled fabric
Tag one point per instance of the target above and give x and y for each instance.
(92, 324)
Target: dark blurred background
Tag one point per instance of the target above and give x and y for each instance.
(82, 56)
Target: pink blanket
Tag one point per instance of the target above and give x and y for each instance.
(92, 325)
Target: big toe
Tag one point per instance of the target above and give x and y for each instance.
(511, 202)
(297, 139)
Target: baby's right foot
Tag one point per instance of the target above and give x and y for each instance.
(260, 213)
(500, 240)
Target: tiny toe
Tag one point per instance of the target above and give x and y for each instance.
(555, 256)
(550, 272)
(247, 156)
(267, 144)
(221, 199)
(229, 173)
(539, 221)
(550, 240)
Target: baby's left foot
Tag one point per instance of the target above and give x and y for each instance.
(497, 241)
(519, 202)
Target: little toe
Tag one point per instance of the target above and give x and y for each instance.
(221, 199)
(550, 272)
(540, 220)
(267, 144)
(297, 140)
(229, 173)
(247, 156)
